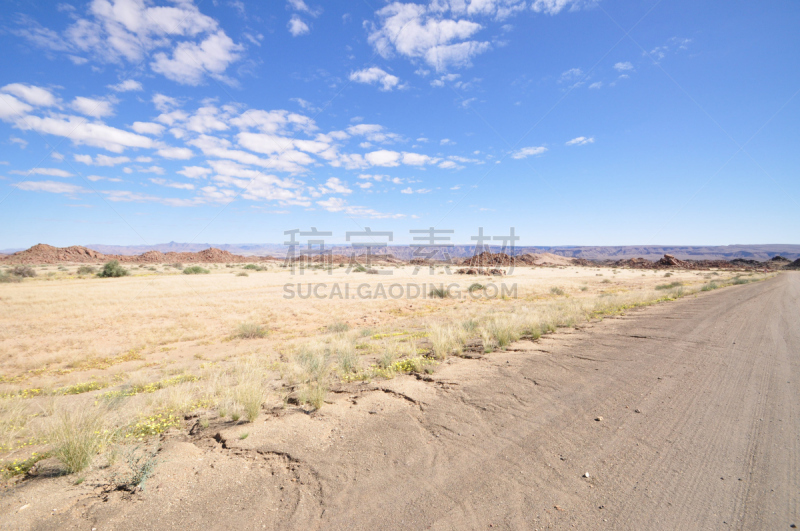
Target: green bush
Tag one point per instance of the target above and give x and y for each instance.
(555, 290)
(669, 286)
(710, 286)
(196, 270)
(254, 267)
(112, 269)
(86, 270)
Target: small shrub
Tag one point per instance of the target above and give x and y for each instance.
(23, 271)
(555, 290)
(196, 270)
(439, 293)
(583, 288)
(86, 270)
(605, 281)
(359, 269)
(242, 274)
(251, 331)
(476, 287)
(177, 265)
(254, 267)
(112, 269)
(667, 274)
(314, 395)
(669, 286)
(710, 286)
(141, 465)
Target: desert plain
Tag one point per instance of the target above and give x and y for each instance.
(236, 397)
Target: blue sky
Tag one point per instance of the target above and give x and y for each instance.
(577, 122)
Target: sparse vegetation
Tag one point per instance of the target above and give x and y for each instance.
(23, 271)
(196, 270)
(338, 327)
(251, 331)
(439, 293)
(669, 286)
(86, 270)
(141, 464)
(476, 287)
(555, 290)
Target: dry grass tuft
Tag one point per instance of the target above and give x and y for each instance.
(77, 436)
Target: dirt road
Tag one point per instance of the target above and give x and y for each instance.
(685, 415)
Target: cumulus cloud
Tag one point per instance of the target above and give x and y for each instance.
(172, 184)
(147, 128)
(32, 94)
(177, 153)
(528, 152)
(622, 67)
(101, 160)
(128, 85)
(553, 7)
(297, 27)
(427, 33)
(580, 141)
(184, 44)
(375, 75)
(93, 107)
(194, 172)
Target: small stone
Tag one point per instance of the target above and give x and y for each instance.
(599, 419)
(637, 410)
(586, 474)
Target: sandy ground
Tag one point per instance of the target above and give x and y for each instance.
(681, 415)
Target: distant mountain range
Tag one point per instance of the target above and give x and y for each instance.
(405, 252)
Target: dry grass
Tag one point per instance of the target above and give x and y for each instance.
(77, 436)
(140, 335)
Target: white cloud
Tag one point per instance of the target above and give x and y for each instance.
(596, 85)
(364, 185)
(57, 156)
(417, 159)
(383, 157)
(447, 78)
(32, 94)
(528, 152)
(117, 31)
(580, 141)
(571, 75)
(446, 142)
(300, 5)
(22, 143)
(194, 172)
(449, 165)
(553, 7)
(337, 204)
(165, 103)
(81, 132)
(51, 172)
(621, 67)
(178, 153)
(191, 62)
(407, 191)
(297, 27)
(11, 107)
(101, 160)
(53, 187)
(374, 75)
(426, 33)
(373, 133)
(147, 128)
(172, 184)
(335, 186)
(92, 107)
(128, 85)
(158, 170)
